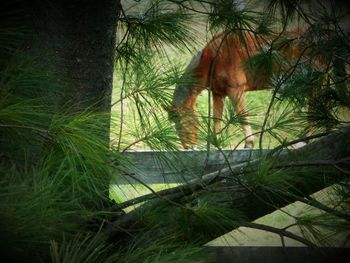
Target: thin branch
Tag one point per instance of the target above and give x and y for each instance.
(285, 77)
(341, 169)
(24, 127)
(181, 4)
(313, 202)
(278, 231)
(156, 194)
(328, 144)
(227, 173)
(133, 93)
(306, 138)
(134, 143)
(42, 132)
(189, 188)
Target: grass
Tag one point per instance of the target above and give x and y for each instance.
(257, 103)
(286, 218)
(121, 193)
(125, 114)
(127, 130)
(284, 121)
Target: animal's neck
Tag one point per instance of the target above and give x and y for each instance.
(184, 92)
(181, 95)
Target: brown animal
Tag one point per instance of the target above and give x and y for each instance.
(220, 66)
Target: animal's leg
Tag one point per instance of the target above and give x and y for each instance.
(188, 126)
(189, 130)
(237, 98)
(218, 105)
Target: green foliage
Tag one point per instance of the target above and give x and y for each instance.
(303, 82)
(83, 249)
(142, 249)
(231, 16)
(212, 214)
(60, 190)
(150, 78)
(56, 165)
(322, 228)
(203, 218)
(286, 9)
(152, 247)
(262, 65)
(35, 209)
(155, 26)
(146, 92)
(293, 81)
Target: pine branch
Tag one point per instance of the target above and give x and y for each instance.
(279, 231)
(282, 80)
(303, 139)
(24, 127)
(237, 170)
(313, 202)
(44, 133)
(228, 173)
(294, 159)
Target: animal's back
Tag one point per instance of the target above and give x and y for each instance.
(221, 65)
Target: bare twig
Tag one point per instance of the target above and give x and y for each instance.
(279, 231)
(285, 77)
(42, 132)
(313, 202)
(24, 127)
(154, 193)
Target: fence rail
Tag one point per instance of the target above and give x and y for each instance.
(156, 167)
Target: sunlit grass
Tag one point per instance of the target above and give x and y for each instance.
(121, 193)
(257, 103)
(126, 131)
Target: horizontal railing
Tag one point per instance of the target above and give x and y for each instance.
(157, 167)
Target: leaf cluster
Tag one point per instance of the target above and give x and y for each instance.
(56, 165)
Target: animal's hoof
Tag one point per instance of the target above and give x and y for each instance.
(249, 145)
(189, 147)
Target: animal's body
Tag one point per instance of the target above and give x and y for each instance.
(219, 66)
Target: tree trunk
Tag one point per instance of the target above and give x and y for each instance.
(68, 52)
(80, 36)
(76, 40)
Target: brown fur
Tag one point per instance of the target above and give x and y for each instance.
(220, 67)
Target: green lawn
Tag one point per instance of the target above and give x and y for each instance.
(126, 113)
(285, 218)
(257, 104)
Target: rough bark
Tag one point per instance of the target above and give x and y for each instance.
(79, 39)
(70, 45)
